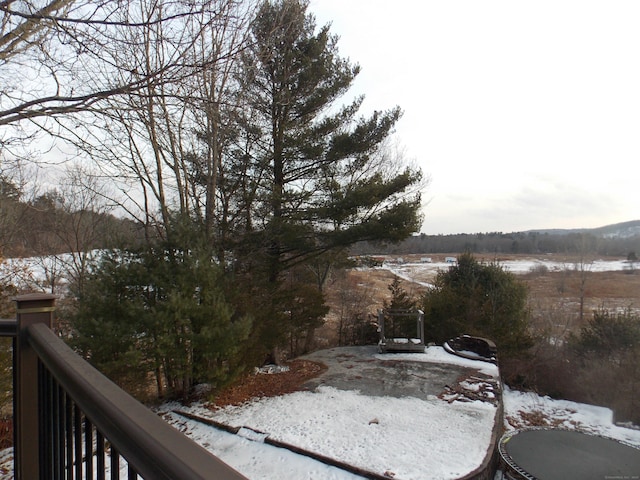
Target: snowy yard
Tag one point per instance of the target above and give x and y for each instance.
(405, 438)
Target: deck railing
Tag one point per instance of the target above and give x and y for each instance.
(71, 422)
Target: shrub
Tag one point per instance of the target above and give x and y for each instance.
(608, 335)
(161, 311)
(478, 299)
(399, 326)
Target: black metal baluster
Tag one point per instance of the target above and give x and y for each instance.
(41, 418)
(62, 422)
(68, 419)
(99, 456)
(46, 413)
(115, 464)
(88, 448)
(77, 433)
(54, 423)
(132, 473)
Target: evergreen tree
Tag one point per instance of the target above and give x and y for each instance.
(162, 310)
(320, 179)
(108, 323)
(478, 299)
(311, 175)
(608, 334)
(305, 310)
(7, 310)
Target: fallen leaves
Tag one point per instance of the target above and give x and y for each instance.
(256, 385)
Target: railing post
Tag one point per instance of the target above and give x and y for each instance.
(32, 308)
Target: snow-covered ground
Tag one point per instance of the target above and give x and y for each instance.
(545, 411)
(398, 436)
(525, 266)
(377, 434)
(43, 274)
(423, 272)
(407, 437)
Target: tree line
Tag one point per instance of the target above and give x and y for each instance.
(533, 243)
(222, 132)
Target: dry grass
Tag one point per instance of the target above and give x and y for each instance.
(256, 385)
(611, 289)
(554, 296)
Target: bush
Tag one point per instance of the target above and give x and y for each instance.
(608, 335)
(402, 325)
(478, 299)
(600, 365)
(539, 269)
(359, 329)
(160, 312)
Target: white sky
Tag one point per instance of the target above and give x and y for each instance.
(524, 114)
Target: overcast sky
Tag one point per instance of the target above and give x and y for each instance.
(525, 114)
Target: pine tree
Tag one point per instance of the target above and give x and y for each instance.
(478, 299)
(108, 324)
(321, 180)
(7, 310)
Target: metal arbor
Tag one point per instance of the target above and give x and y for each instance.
(404, 343)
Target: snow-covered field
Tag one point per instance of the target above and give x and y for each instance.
(43, 274)
(423, 273)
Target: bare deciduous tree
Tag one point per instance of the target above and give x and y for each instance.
(163, 144)
(62, 54)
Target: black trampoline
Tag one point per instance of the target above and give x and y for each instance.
(553, 454)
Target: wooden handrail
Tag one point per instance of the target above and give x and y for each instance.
(155, 449)
(8, 327)
(152, 448)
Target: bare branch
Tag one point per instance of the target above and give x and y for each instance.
(41, 15)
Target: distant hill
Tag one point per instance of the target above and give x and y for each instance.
(619, 239)
(616, 230)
